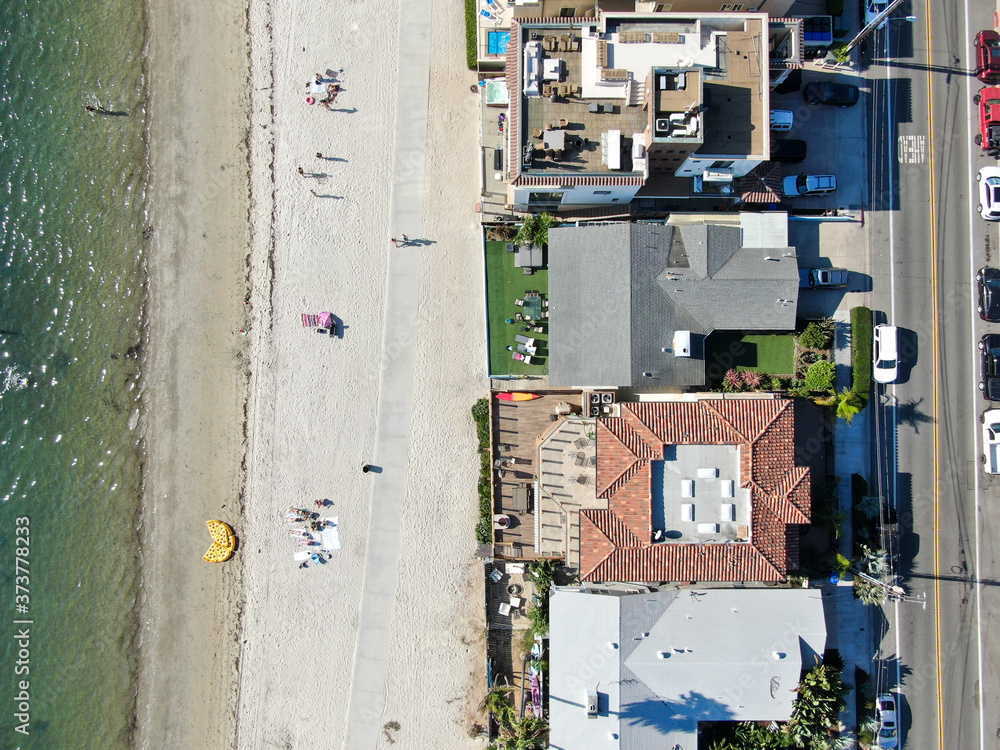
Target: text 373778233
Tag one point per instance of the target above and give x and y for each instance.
(22, 625)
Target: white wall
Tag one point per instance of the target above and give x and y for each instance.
(581, 195)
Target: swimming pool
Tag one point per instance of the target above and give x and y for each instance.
(496, 42)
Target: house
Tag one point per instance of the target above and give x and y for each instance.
(696, 490)
(631, 304)
(649, 666)
(620, 106)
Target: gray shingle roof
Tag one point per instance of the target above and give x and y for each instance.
(619, 292)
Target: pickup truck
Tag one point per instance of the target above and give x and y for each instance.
(823, 278)
(991, 440)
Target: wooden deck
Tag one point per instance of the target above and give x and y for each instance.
(517, 427)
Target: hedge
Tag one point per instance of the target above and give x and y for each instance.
(471, 34)
(481, 415)
(861, 349)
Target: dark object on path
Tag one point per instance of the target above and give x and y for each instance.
(366, 468)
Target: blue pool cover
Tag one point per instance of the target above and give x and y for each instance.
(497, 41)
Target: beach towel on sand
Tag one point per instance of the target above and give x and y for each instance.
(330, 535)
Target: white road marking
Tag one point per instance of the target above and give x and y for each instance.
(911, 149)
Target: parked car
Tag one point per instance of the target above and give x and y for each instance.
(788, 150)
(834, 94)
(988, 56)
(811, 184)
(988, 280)
(823, 278)
(988, 137)
(989, 366)
(872, 9)
(888, 733)
(989, 193)
(886, 354)
(991, 440)
(782, 120)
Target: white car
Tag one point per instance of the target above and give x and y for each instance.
(888, 733)
(991, 440)
(989, 193)
(886, 356)
(809, 184)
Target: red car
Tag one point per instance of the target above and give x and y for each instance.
(988, 56)
(988, 136)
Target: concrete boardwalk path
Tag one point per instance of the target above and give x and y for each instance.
(368, 688)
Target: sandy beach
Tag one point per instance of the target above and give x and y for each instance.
(261, 653)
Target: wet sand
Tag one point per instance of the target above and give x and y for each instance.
(196, 372)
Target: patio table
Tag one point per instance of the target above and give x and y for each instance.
(520, 502)
(533, 307)
(555, 139)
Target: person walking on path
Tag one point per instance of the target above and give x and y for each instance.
(394, 241)
(406, 240)
(302, 171)
(315, 194)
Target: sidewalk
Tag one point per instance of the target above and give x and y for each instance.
(849, 622)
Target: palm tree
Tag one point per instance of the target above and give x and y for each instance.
(849, 405)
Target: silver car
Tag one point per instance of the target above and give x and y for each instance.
(888, 732)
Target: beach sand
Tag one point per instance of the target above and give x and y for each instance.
(314, 403)
(196, 372)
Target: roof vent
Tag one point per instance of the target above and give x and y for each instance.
(591, 705)
(612, 645)
(663, 654)
(778, 655)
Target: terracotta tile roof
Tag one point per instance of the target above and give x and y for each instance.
(615, 544)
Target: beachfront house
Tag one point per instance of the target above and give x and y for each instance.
(700, 489)
(632, 304)
(651, 665)
(624, 106)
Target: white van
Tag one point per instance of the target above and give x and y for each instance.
(781, 120)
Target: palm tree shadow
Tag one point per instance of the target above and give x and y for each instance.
(909, 413)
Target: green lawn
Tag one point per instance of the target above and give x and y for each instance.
(769, 354)
(504, 284)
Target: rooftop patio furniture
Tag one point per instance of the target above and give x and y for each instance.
(595, 108)
(518, 317)
(582, 442)
(495, 575)
(532, 69)
(500, 521)
(545, 314)
(545, 303)
(515, 589)
(528, 270)
(536, 133)
(555, 139)
(519, 503)
(509, 247)
(577, 88)
(525, 358)
(524, 340)
(504, 609)
(583, 479)
(527, 349)
(563, 123)
(552, 69)
(574, 46)
(558, 156)
(516, 602)
(581, 459)
(519, 302)
(547, 89)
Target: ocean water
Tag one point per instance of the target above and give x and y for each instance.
(72, 285)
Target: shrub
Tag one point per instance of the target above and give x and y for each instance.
(752, 379)
(535, 230)
(484, 528)
(777, 383)
(815, 337)
(820, 376)
(471, 34)
(732, 380)
(501, 232)
(861, 349)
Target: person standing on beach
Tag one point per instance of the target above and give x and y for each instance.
(302, 171)
(394, 241)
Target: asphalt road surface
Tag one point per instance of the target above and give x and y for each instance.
(939, 650)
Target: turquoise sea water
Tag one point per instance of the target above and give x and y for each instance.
(72, 281)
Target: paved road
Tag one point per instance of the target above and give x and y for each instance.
(926, 242)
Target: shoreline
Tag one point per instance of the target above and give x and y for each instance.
(195, 380)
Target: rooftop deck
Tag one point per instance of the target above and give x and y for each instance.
(517, 429)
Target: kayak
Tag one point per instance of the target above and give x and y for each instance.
(518, 396)
(223, 542)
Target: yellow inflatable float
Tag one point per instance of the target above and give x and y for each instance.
(223, 542)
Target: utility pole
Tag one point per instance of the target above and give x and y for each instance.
(876, 22)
